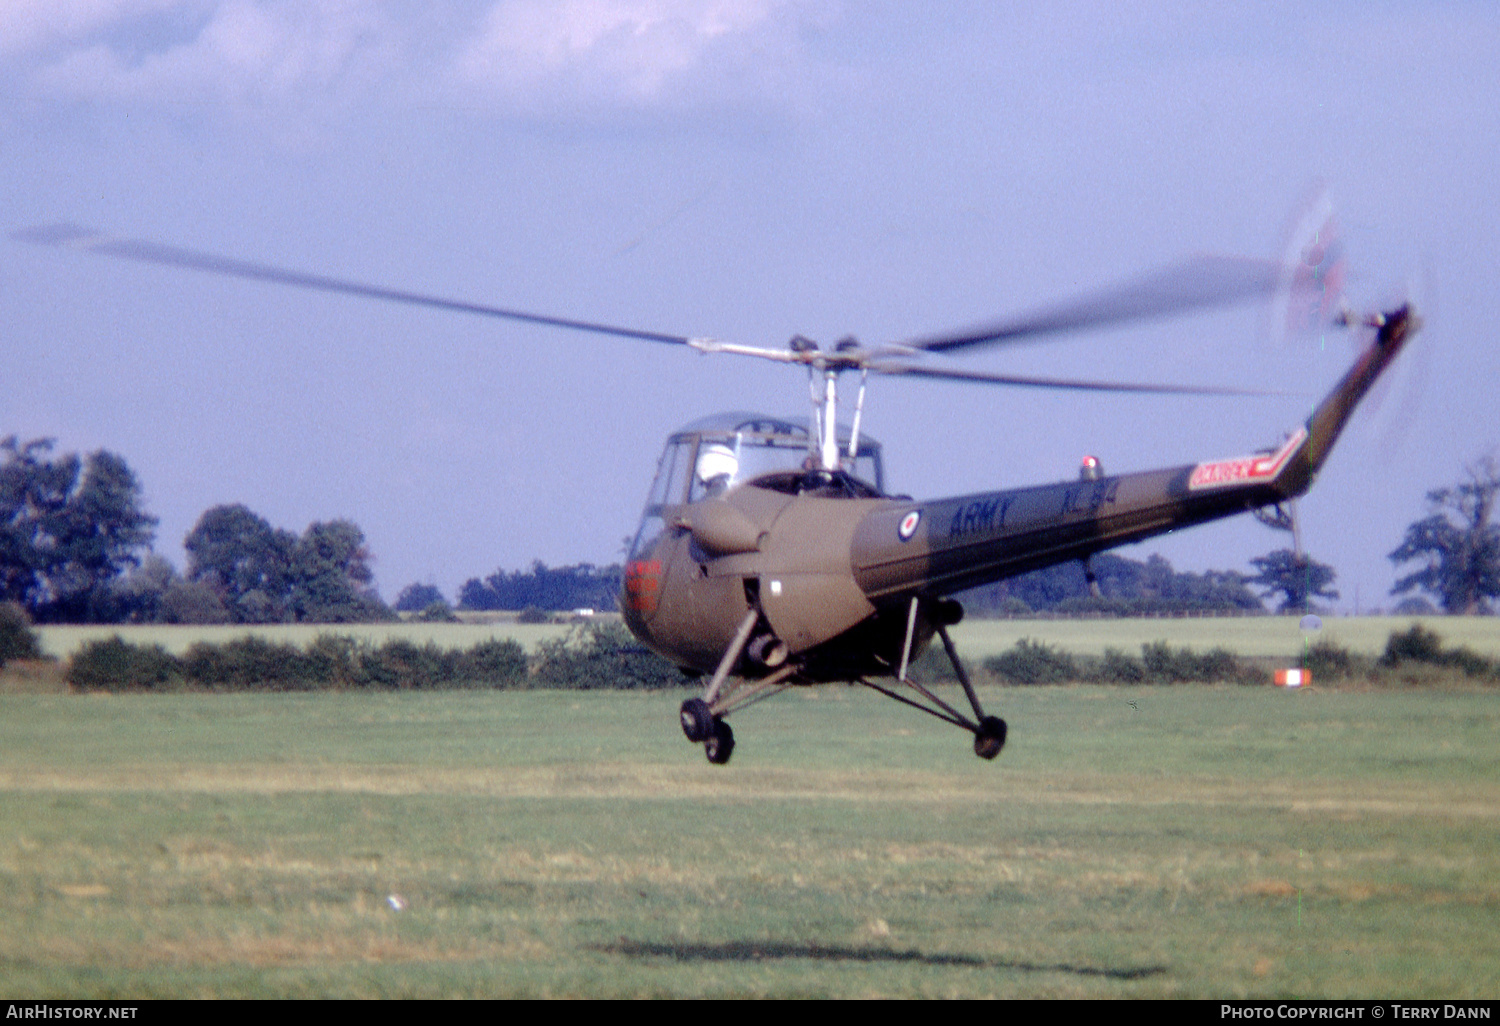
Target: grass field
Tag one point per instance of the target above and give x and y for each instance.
(1129, 842)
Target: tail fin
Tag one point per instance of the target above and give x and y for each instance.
(1393, 330)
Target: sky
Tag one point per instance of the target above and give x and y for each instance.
(743, 169)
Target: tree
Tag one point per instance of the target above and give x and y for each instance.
(1457, 544)
(331, 575)
(416, 597)
(1125, 587)
(1297, 576)
(155, 593)
(17, 639)
(246, 562)
(263, 574)
(138, 594)
(554, 588)
(68, 528)
(191, 602)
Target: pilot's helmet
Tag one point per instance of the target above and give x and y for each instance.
(716, 465)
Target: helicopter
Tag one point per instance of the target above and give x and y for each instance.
(770, 555)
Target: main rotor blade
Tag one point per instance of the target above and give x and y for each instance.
(172, 256)
(954, 374)
(1193, 284)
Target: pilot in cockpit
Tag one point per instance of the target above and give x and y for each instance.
(715, 470)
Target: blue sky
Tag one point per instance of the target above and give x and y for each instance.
(746, 169)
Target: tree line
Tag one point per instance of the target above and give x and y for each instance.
(75, 546)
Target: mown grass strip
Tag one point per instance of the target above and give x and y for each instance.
(1209, 842)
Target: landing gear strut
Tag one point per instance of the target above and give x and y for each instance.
(989, 731)
(703, 718)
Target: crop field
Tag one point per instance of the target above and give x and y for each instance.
(1185, 841)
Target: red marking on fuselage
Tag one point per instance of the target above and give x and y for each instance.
(642, 582)
(1245, 468)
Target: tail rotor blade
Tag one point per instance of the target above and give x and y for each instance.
(1314, 273)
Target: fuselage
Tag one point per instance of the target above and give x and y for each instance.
(847, 579)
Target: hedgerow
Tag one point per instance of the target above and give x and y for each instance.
(330, 662)
(1031, 662)
(117, 665)
(17, 639)
(595, 656)
(1419, 645)
(604, 656)
(1414, 656)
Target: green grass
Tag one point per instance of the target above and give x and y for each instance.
(1142, 842)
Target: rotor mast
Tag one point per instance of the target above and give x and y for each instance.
(824, 438)
(828, 457)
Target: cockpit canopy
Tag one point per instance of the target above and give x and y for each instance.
(712, 455)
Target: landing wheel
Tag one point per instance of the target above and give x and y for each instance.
(697, 720)
(990, 737)
(720, 744)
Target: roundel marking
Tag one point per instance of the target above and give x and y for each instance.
(909, 524)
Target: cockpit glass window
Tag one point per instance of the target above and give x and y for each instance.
(707, 459)
(867, 468)
(670, 474)
(646, 537)
(763, 455)
(730, 459)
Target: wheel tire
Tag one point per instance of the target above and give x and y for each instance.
(697, 720)
(990, 737)
(720, 744)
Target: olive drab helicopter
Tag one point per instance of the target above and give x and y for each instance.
(770, 554)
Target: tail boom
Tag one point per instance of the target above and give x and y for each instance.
(947, 545)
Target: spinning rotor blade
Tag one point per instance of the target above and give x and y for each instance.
(1193, 284)
(954, 374)
(172, 256)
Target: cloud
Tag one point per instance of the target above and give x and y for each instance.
(39, 25)
(632, 52)
(543, 56)
(236, 51)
